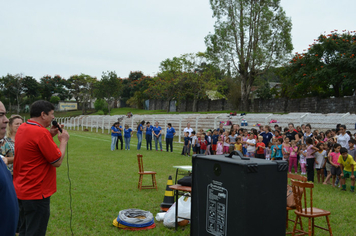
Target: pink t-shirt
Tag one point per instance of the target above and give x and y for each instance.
(310, 150)
(335, 157)
(293, 153)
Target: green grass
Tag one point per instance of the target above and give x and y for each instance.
(105, 182)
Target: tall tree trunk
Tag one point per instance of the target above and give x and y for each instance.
(169, 105)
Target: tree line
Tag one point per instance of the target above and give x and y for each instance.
(251, 46)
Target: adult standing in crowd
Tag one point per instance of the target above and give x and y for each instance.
(169, 136)
(307, 132)
(114, 134)
(343, 138)
(139, 134)
(292, 134)
(127, 136)
(119, 136)
(267, 135)
(9, 208)
(36, 159)
(148, 130)
(157, 135)
(221, 127)
(9, 144)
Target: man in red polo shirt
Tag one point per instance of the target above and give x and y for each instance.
(35, 162)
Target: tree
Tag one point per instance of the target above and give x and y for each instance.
(30, 89)
(108, 88)
(250, 36)
(13, 89)
(133, 88)
(81, 87)
(186, 77)
(53, 86)
(327, 68)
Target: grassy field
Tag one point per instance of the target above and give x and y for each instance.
(105, 182)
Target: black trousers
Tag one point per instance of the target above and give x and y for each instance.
(34, 216)
(117, 142)
(149, 141)
(169, 142)
(310, 169)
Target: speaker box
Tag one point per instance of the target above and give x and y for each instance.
(238, 196)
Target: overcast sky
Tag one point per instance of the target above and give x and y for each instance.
(65, 37)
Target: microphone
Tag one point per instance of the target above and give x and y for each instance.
(55, 124)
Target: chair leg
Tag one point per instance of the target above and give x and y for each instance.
(313, 226)
(301, 224)
(328, 222)
(309, 228)
(140, 182)
(295, 225)
(154, 181)
(287, 220)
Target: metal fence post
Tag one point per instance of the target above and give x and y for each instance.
(266, 118)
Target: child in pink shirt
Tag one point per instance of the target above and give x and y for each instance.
(293, 150)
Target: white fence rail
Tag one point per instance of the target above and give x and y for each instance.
(208, 121)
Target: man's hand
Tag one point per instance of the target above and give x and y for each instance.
(352, 177)
(54, 130)
(64, 136)
(342, 175)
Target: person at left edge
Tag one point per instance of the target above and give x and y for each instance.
(35, 162)
(9, 209)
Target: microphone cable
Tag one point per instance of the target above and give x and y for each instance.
(70, 194)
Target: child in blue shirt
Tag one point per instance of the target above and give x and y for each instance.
(186, 150)
(278, 150)
(215, 138)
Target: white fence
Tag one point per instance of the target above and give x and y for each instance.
(208, 121)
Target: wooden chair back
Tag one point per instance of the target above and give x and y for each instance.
(300, 196)
(140, 163)
(297, 177)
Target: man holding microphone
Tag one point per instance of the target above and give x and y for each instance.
(35, 162)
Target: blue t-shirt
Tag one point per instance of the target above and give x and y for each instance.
(266, 137)
(120, 133)
(149, 130)
(279, 151)
(170, 132)
(8, 202)
(186, 140)
(139, 131)
(127, 133)
(219, 130)
(215, 139)
(156, 130)
(113, 128)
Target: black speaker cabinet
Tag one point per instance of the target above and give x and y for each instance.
(238, 196)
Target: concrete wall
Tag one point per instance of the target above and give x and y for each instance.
(278, 105)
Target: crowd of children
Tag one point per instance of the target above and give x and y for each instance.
(331, 153)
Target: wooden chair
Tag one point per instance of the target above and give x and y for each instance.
(302, 209)
(300, 178)
(141, 172)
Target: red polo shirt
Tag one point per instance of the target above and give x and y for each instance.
(35, 152)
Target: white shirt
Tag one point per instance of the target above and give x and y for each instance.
(249, 147)
(343, 140)
(189, 130)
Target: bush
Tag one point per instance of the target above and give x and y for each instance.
(100, 104)
(100, 113)
(54, 100)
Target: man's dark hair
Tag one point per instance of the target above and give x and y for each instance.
(40, 106)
